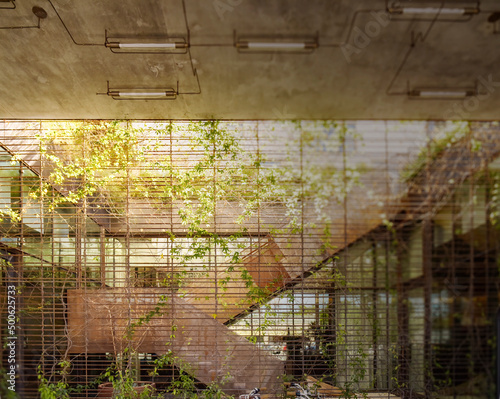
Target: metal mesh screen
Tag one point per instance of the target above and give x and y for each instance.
(209, 258)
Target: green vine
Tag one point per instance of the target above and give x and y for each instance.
(98, 164)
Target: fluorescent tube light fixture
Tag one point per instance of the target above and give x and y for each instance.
(276, 44)
(145, 46)
(446, 11)
(142, 45)
(283, 46)
(142, 94)
(131, 45)
(441, 94)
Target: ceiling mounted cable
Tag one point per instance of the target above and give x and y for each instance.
(68, 31)
(39, 12)
(142, 46)
(416, 37)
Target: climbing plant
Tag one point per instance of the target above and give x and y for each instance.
(95, 165)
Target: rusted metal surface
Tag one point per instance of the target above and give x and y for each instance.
(103, 321)
(382, 285)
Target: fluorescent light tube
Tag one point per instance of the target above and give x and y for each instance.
(285, 46)
(434, 11)
(443, 94)
(145, 46)
(138, 95)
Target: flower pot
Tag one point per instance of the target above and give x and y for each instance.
(106, 389)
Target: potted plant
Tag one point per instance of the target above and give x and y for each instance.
(126, 389)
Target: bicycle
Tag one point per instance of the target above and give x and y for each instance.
(303, 393)
(254, 394)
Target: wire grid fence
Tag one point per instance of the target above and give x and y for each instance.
(367, 257)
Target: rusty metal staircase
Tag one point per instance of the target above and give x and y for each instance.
(98, 322)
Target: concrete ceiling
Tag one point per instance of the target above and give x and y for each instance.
(366, 62)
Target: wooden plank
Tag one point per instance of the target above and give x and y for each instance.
(323, 389)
